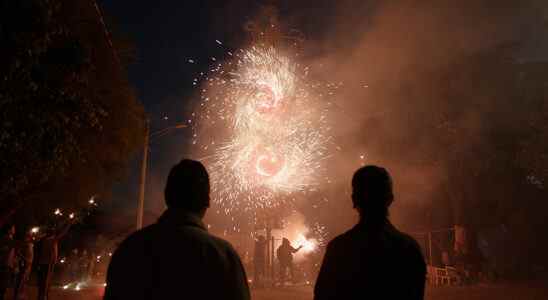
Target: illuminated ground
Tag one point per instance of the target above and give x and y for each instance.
(525, 291)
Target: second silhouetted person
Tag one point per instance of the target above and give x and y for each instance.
(373, 260)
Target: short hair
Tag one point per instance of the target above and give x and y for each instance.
(372, 191)
(187, 186)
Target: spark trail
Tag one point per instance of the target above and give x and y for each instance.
(264, 128)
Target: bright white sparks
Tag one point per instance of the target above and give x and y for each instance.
(265, 129)
(308, 245)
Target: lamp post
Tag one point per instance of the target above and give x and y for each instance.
(144, 163)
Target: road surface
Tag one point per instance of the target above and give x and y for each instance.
(537, 290)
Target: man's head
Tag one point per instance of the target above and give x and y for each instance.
(187, 187)
(372, 192)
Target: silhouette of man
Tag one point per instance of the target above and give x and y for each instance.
(176, 258)
(7, 258)
(47, 258)
(373, 260)
(285, 256)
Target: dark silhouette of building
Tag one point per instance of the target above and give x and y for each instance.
(259, 261)
(176, 258)
(373, 260)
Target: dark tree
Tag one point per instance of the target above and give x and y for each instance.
(70, 120)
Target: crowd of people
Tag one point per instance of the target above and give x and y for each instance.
(19, 256)
(177, 255)
(84, 266)
(38, 253)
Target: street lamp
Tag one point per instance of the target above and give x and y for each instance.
(148, 136)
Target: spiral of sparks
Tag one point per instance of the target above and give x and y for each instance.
(274, 136)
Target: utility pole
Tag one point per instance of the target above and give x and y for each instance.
(141, 205)
(144, 164)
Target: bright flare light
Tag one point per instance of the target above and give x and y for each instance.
(35, 230)
(274, 131)
(309, 245)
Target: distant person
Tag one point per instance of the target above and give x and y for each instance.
(83, 266)
(7, 210)
(7, 258)
(26, 257)
(259, 261)
(47, 258)
(373, 260)
(285, 257)
(73, 264)
(176, 258)
(93, 259)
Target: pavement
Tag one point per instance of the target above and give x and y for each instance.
(537, 290)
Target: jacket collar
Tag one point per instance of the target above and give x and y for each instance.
(181, 218)
(376, 225)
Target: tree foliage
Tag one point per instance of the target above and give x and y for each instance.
(70, 119)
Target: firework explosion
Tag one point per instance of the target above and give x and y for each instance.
(312, 237)
(275, 132)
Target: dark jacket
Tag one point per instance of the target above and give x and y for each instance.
(285, 254)
(176, 258)
(372, 262)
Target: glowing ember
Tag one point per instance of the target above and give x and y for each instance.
(57, 212)
(309, 245)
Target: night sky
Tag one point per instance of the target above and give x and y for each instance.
(166, 34)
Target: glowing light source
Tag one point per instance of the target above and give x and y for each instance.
(309, 245)
(275, 131)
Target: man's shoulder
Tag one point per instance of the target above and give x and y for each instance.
(141, 235)
(342, 239)
(358, 233)
(220, 243)
(405, 239)
(409, 249)
(156, 231)
(135, 241)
